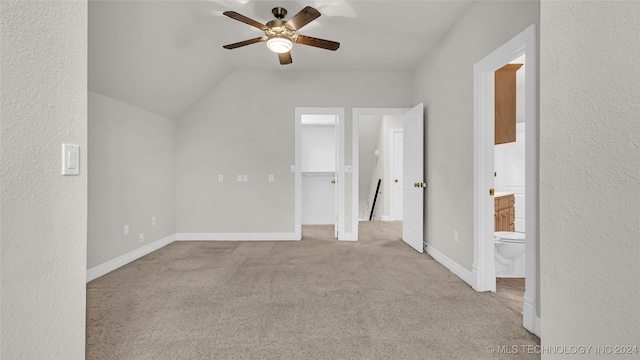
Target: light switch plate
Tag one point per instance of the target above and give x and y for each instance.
(245, 178)
(220, 178)
(271, 178)
(70, 160)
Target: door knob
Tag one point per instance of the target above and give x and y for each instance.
(491, 192)
(333, 181)
(396, 180)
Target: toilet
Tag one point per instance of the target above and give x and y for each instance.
(509, 254)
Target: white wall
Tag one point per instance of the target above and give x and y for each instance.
(589, 173)
(318, 148)
(444, 83)
(132, 177)
(246, 126)
(43, 215)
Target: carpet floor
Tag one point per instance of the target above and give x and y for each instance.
(313, 299)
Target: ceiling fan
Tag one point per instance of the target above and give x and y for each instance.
(280, 35)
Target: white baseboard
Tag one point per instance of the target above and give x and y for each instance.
(342, 236)
(237, 236)
(453, 266)
(107, 267)
(318, 221)
(529, 320)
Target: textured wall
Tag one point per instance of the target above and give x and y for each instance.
(444, 83)
(43, 215)
(132, 177)
(590, 173)
(246, 126)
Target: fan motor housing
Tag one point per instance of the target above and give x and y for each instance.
(277, 27)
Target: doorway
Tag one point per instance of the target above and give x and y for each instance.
(319, 168)
(484, 274)
(410, 185)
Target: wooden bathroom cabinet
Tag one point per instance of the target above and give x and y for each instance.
(505, 213)
(505, 103)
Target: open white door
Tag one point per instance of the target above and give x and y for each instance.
(413, 182)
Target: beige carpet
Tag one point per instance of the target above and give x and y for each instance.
(313, 299)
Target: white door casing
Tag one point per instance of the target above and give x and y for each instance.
(413, 178)
(483, 272)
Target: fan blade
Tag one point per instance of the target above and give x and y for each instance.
(321, 43)
(285, 58)
(234, 15)
(245, 43)
(302, 18)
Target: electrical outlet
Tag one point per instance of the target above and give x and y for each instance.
(154, 221)
(220, 178)
(455, 235)
(126, 229)
(141, 238)
(271, 178)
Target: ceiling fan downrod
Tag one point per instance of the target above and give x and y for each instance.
(279, 12)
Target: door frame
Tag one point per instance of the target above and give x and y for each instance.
(355, 192)
(483, 271)
(297, 167)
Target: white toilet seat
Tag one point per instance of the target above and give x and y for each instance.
(509, 237)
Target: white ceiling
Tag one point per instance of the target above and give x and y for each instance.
(163, 56)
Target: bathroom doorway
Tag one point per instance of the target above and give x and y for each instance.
(510, 184)
(483, 269)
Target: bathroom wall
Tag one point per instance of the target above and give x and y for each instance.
(509, 164)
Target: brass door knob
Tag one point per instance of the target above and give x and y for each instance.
(396, 180)
(333, 181)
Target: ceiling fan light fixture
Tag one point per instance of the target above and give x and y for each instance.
(279, 44)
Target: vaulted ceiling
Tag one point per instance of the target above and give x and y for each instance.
(163, 56)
